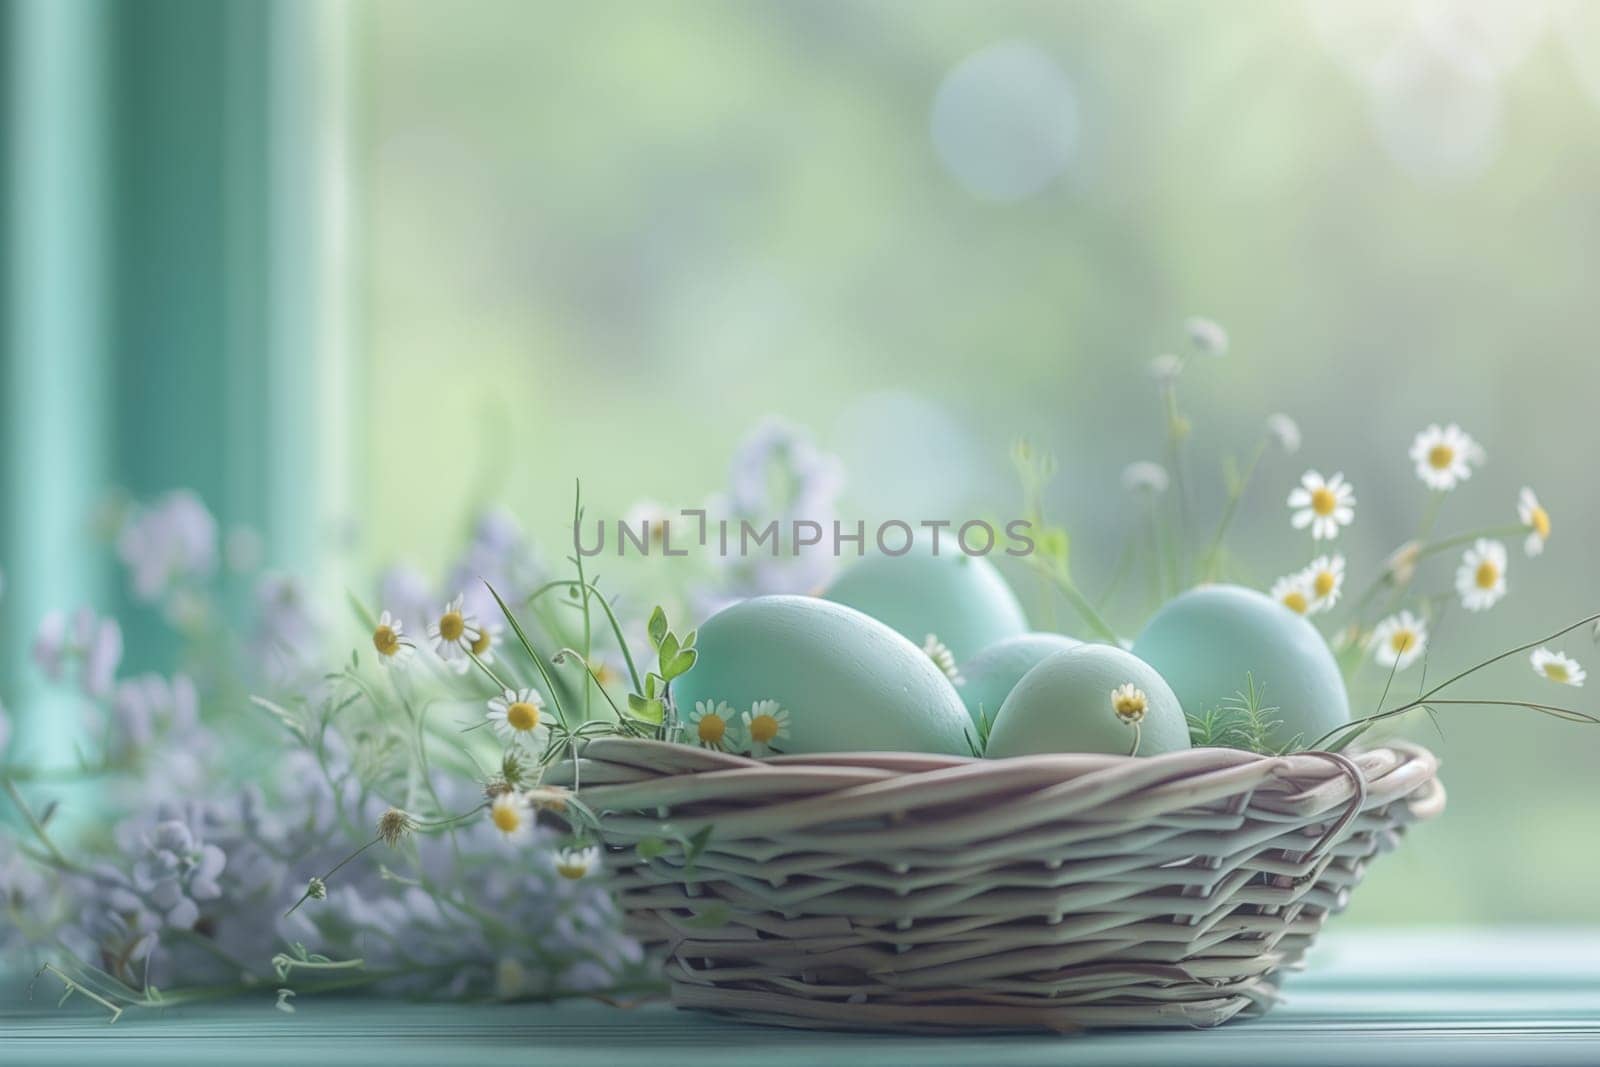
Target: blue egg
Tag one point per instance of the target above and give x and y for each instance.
(960, 599)
(988, 678)
(849, 683)
(1068, 704)
(1212, 643)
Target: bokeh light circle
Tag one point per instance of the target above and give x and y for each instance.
(1005, 121)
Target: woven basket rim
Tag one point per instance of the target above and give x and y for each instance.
(917, 891)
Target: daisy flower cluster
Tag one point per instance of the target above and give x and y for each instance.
(759, 731)
(336, 829)
(1443, 459)
(1389, 617)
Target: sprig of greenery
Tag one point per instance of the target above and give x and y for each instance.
(1244, 721)
(1052, 554)
(675, 657)
(985, 724)
(1341, 737)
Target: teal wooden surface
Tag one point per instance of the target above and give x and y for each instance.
(1457, 998)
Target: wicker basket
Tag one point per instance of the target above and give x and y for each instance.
(935, 893)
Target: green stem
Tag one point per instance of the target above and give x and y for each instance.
(583, 584)
(616, 627)
(1352, 730)
(1444, 544)
(38, 828)
(1081, 604)
(1229, 510)
(1180, 487)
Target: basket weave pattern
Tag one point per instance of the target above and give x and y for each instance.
(917, 892)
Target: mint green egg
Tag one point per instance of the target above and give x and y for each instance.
(988, 678)
(849, 683)
(962, 599)
(1065, 704)
(1211, 643)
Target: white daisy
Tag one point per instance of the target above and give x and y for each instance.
(1557, 667)
(453, 632)
(713, 724)
(389, 638)
(1285, 431)
(647, 522)
(1401, 566)
(943, 658)
(1444, 458)
(1324, 578)
(1166, 367)
(1532, 515)
(605, 672)
(764, 724)
(1323, 505)
(483, 647)
(517, 716)
(1481, 578)
(1207, 336)
(1144, 477)
(1292, 592)
(1129, 703)
(511, 816)
(576, 863)
(1399, 640)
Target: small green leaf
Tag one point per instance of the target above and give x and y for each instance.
(668, 647)
(657, 625)
(696, 845)
(651, 848)
(712, 917)
(688, 641)
(681, 663)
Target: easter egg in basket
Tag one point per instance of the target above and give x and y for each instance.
(1092, 698)
(960, 599)
(847, 682)
(1218, 644)
(988, 678)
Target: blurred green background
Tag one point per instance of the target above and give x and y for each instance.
(359, 268)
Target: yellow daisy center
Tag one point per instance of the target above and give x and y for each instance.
(1556, 672)
(1296, 601)
(386, 641)
(763, 728)
(1402, 640)
(712, 727)
(1539, 519)
(452, 626)
(1130, 707)
(522, 716)
(507, 817)
(1323, 500)
(481, 645)
(1488, 574)
(603, 674)
(1323, 583)
(573, 869)
(1440, 456)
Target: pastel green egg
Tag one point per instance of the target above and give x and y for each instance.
(960, 598)
(1065, 704)
(849, 683)
(1212, 643)
(988, 678)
